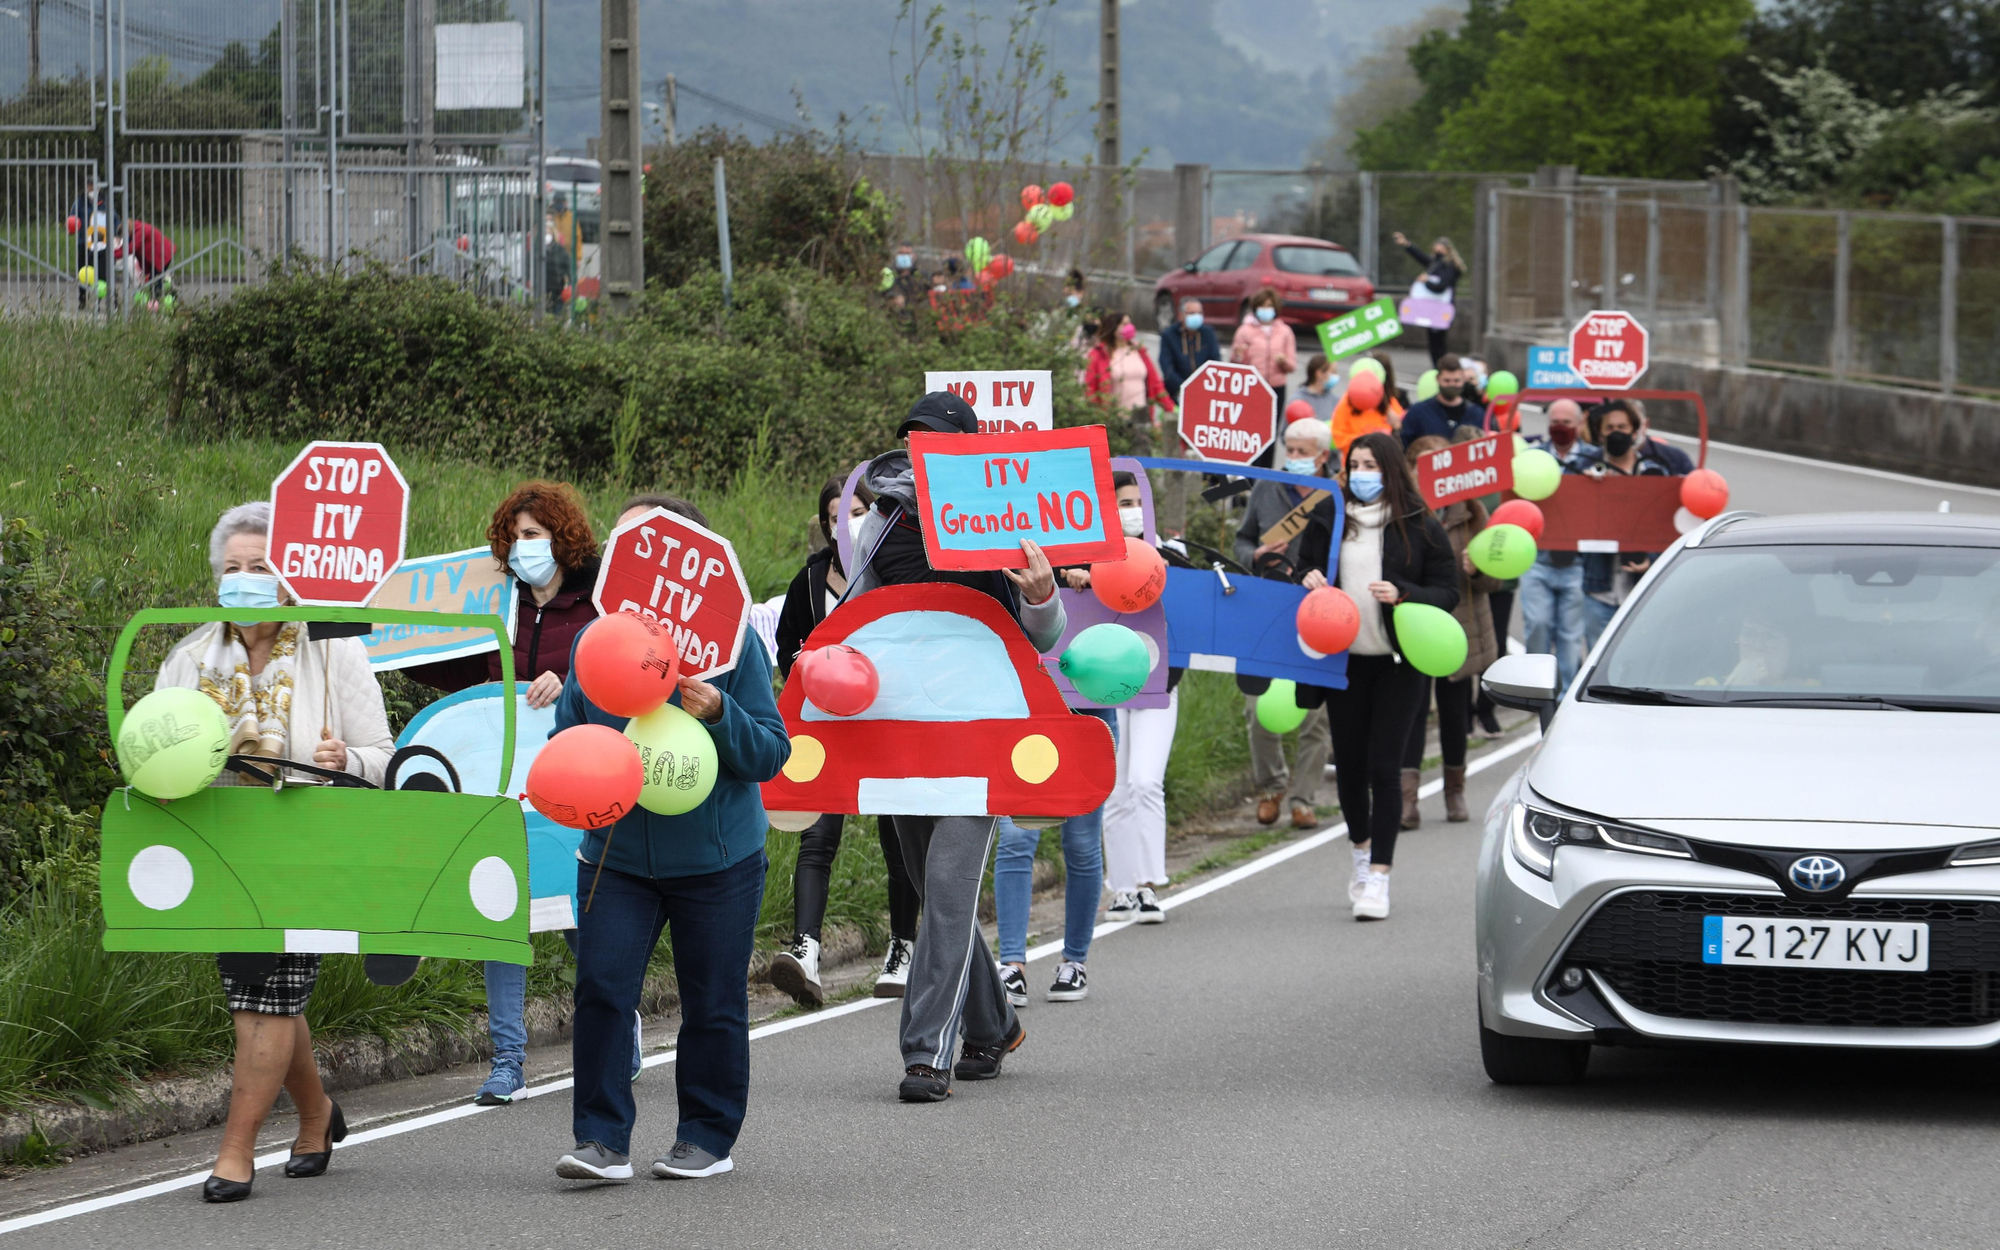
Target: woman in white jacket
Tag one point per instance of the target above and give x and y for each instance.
(286, 698)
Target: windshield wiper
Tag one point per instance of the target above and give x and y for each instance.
(1900, 703)
(1645, 694)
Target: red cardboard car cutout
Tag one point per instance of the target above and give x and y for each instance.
(965, 723)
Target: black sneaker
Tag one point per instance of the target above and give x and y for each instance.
(1015, 983)
(1150, 911)
(923, 1083)
(1070, 984)
(982, 1063)
(1488, 722)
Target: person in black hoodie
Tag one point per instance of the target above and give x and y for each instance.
(1392, 550)
(1442, 270)
(812, 594)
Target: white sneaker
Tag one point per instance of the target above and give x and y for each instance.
(1150, 911)
(796, 972)
(1362, 868)
(1374, 901)
(1124, 906)
(894, 978)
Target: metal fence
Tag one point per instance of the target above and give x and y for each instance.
(235, 134)
(1870, 296)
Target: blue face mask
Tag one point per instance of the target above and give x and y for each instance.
(904, 260)
(246, 590)
(532, 562)
(1072, 300)
(1305, 467)
(1267, 315)
(1366, 484)
(1194, 320)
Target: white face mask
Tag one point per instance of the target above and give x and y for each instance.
(1132, 519)
(854, 526)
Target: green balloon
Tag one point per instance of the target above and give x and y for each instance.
(1106, 663)
(172, 743)
(1367, 364)
(1042, 216)
(1502, 551)
(1536, 473)
(1427, 385)
(977, 253)
(580, 304)
(103, 288)
(167, 302)
(1431, 639)
(1278, 708)
(888, 277)
(677, 761)
(1063, 212)
(1502, 383)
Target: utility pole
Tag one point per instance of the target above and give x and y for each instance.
(34, 43)
(1108, 159)
(673, 105)
(621, 254)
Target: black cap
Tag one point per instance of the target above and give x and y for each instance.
(943, 412)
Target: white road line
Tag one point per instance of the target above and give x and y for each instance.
(1811, 463)
(1291, 850)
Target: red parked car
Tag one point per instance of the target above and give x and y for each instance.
(1316, 280)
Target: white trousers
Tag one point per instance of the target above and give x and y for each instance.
(1135, 816)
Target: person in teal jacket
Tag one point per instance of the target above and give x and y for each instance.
(701, 875)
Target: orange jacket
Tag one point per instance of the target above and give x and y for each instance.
(1349, 425)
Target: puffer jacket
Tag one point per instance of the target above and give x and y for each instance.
(1273, 349)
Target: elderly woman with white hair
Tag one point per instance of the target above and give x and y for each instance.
(289, 698)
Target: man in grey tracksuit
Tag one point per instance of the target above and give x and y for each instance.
(954, 984)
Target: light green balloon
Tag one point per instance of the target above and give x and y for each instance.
(1106, 663)
(1427, 385)
(1042, 216)
(1502, 383)
(1063, 212)
(172, 743)
(1536, 474)
(1521, 444)
(167, 302)
(1278, 708)
(677, 760)
(1502, 551)
(1368, 364)
(1431, 639)
(103, 288)
(977, 253)
(888, 277)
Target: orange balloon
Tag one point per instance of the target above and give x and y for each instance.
(586, 777)
(1132, 584)
(1328, 620)
(1704, 493)
(1364, 391)
(626, 664)
(1522, 513)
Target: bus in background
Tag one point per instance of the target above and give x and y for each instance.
(571, 189)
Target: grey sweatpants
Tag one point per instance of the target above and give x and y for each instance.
(953, 979)
(1299, 784)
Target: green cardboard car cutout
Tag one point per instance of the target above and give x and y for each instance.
(299, 865)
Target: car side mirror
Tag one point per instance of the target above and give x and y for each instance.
(1526, 682)
(1189, 267)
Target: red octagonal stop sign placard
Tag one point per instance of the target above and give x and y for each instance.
(1608, 350)
(667, 568)
(339, 515)
(1228, 413)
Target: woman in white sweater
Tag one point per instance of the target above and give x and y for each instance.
(286, 698)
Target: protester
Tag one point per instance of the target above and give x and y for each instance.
(1076, 306)
(1461, 521)
(559, 250)
(98, 226)
(813, 594)
(1609, 577)
(1384, 416)
(903, 280)
(1392, 551)
(1083, 882)
(150, 254)
(1678, 462)
(1185, 346)
(314, 703)
(1268, 543)
(954, 984)
(1442, 270)
(1551, 591)
(1120, 376)
(1318, 390)
(1135, 816)
(700, 876)
(1442, 414)
(1265, 341)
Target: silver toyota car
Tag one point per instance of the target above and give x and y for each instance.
(1766, 810)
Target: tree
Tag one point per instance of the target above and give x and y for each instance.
(1615, 87)
(1451, 65)
(1385, 86)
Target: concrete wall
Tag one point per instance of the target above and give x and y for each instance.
(1953, 438)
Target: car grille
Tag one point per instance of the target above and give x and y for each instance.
(1647, 945)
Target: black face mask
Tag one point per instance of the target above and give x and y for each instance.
(1450, 392)
(1617, 443)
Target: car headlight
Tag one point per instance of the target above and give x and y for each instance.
(1535, 832)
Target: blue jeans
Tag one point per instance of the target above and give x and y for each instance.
(507, 1010)
(1596, 615)
(712, 919)
(1083, 877)
(1552, 614)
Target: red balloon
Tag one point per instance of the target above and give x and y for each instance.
(1328, 620)
(626, 664)
(1132, 584)
(1061, 193)
(1031, 195)
(464, 242)
(1025, 232)
(1519, 512)
(839, 680)
(1000, 266)
(586, 777)
(1704, 493)
(1297, 410)
(1364, 391)
(73, 224)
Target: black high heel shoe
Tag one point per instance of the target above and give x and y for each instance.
(216, 1189)
(313, 1163)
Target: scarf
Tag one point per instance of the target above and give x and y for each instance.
(258, 708)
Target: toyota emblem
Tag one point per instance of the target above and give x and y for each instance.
(1817, 874)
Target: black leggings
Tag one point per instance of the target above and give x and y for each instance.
(817, 847)
(1454, 703)
(1371, 724)
(1436, 343)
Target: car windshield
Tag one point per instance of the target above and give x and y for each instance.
(1318, 261)
(1814, 625)
(935, 666)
